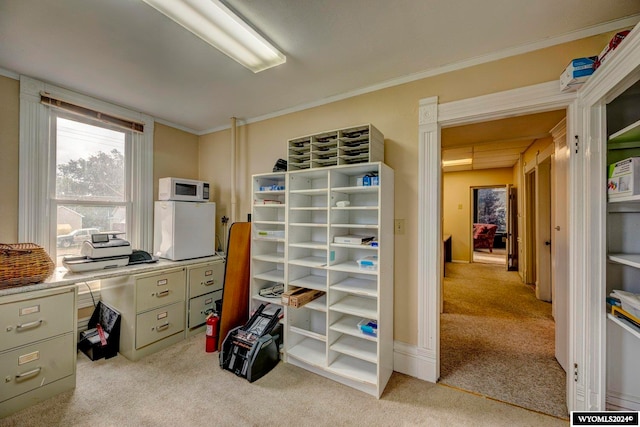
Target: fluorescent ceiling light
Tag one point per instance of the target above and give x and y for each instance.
(459, 162)
(217, 25)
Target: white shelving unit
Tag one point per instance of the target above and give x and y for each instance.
(268, 236)
(623, 253)
(323, 335)
(347, 146)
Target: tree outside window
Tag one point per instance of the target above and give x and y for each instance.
(491, 207)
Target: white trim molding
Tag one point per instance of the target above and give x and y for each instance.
(429, 237)
(528, 100)
(413, 361)
(36, 167)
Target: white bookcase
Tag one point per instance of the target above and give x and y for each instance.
(268, 236)
(623, 253)
(323, 335)
(295, 218)
(346, 146)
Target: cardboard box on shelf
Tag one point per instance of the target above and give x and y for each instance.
(624, 178)
(610, 47)
(576, 73)
(297, 297)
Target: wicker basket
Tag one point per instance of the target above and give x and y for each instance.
(23, 264)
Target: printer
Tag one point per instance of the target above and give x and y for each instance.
(104, 250)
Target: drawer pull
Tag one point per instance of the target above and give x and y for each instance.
(29, 374)
(162, 327)
(163, 293)
(209, 282)
(29, 325)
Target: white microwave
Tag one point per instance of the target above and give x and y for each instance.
(184, 190)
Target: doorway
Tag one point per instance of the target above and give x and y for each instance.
(422, 360)
(471, 358)
(490, 217)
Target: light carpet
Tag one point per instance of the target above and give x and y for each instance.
(498, 340)
(184, 386)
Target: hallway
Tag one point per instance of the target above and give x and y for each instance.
(497, 339)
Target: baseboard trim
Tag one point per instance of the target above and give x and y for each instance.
(415, 362)
(622, 402)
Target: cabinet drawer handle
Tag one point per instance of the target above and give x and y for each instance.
(209, 282)
(163, 293)
(162, 327)
(29, 374)
(29, 325)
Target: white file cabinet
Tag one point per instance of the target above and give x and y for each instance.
(37, 346)
(152, 306)
(204, 288)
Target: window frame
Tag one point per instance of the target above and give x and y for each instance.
(37, 166)
(54, 201)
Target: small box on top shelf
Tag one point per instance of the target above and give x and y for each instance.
(624, 178)
(576, 73)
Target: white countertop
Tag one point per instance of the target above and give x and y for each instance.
(62, 277)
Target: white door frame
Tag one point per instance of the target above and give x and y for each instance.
(431, 118)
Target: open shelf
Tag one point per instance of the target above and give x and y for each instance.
(632, 260)
(270, 257)
(318, 304)
(312, 261)
(310, 351)
(309, 245)
(357, 286)
(272, 276)
(356, 347)
(357, 306)
(349, 325)
(318, 283)
(355, 369)
(630, 133)
(351, 267)
(625, 325)
(260, 298)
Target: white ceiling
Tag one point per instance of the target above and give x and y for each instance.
(128, 53)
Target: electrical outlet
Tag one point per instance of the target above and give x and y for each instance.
(399, 226)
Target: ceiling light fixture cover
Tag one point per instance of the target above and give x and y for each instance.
(217, 25)
(459, 162)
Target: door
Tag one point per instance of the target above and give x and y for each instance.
(560, 243)
(512, 229)
(544, 290)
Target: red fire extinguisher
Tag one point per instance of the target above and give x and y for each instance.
(212, 333)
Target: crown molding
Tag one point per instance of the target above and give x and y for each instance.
(617, 24)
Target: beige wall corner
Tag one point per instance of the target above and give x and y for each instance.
(175, 153)
(9, 158)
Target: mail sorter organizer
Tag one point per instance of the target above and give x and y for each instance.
(251, 351)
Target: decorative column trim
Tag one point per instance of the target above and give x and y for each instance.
(429, 238)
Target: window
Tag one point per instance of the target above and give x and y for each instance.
(82, 170)
(90, 195)
(491, 207)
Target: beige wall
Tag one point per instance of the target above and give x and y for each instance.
(394, 111)
(175, 153)
(9, 154)
(457, 204)
(534, 149)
